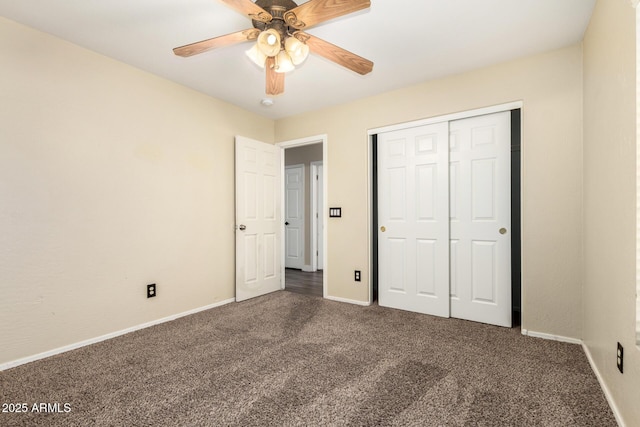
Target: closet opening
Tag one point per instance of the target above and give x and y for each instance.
(512, 121)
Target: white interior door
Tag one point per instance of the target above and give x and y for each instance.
(294, 216)
(413, 217)
(480, 210)
(258, 218)
(465, 166)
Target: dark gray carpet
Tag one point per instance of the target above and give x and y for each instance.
(287, 359)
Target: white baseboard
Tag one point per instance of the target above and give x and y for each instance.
(22, 361)
(551, 337)
(349, 301)
(307, 269)
(603, 386)
(594, 368)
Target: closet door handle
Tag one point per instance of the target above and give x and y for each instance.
(503, 230)
(242, 227)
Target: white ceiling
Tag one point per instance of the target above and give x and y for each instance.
(409, 41)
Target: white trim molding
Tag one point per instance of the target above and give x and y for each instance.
(551, 337)
(348, 301)
(316, 139)
(637, 334)
(603, 386)
(594, 368)
(449, 117)
(95, 340)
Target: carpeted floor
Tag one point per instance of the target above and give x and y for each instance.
(287, 359)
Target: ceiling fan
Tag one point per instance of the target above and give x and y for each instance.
(281, 43)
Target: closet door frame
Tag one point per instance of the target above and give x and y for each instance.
(372, 178)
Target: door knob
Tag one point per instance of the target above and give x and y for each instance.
(286, 223)
(242, 227)
(503, 230)
(383, 229)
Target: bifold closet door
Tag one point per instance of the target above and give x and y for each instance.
(413, 219)
(480, 210)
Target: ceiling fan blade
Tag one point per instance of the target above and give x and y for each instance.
(316, 11)
(249, 8)
(226, 40)
(336, 54)
(275, 81)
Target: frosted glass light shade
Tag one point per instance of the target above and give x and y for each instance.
(297, 50)
(257, 56)
(269, 42)
(283, 62)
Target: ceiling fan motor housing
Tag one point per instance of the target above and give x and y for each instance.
(277, 9)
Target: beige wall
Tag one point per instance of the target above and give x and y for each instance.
(610, 200)
(110, 179)
(550, 85)
(304, 156)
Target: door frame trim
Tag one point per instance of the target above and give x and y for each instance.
(371, 139)
(316, 139)
(314, 209)
(449, 117)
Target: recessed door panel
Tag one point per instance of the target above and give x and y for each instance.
(250, 156)
(427, 182)
(397, 257)
(426, 144)
(483, 136)
(250, 201)
(483, 278)
(483, 189)
(396, 194)
(396, 148)
(270, 256)
(251, 258)
(454, 268)
(270, 197)
(293, 204)
(427, 267)
(293, 237)
(454, 179)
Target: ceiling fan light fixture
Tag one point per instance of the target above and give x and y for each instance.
(256, 56)
(269, 42)
(297, 50)
(283, 62)
(280, 43)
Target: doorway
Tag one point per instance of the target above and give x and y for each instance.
(424, 249)
(304, 242)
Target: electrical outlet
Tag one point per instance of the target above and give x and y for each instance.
(620, 357)
(151, 290)
(356, 276)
